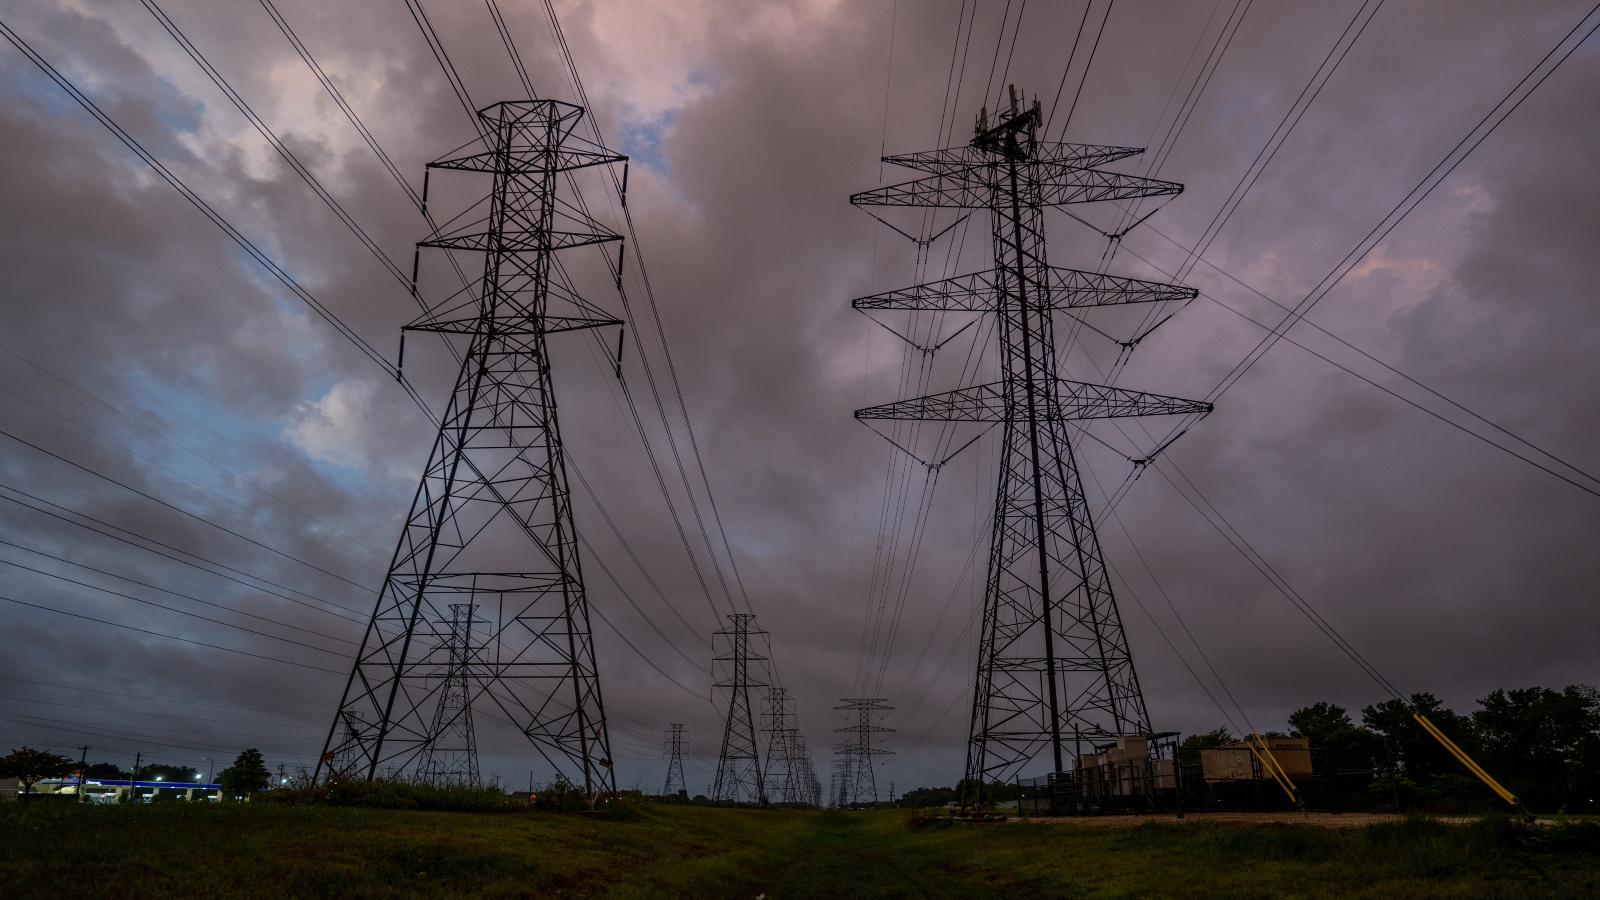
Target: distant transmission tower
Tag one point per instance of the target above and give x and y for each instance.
(675, 779)
(860, 783)
(496, 479)
(781, 778)
(452, 757)
(739, 775)
(1052, 653)
(808, 789)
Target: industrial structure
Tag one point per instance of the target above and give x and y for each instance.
(856, 754)
(675, 780)
(496, 479)
(1053, 656)
(739, 775)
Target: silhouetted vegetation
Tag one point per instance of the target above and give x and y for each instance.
(1543, 745)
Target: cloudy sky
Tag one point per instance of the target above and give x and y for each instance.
(203, 480)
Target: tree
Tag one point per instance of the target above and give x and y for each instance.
(104, 772)
(1415, 751)
(1189, 750)
(1541, 744)
(247, 775)
(169, 774)
(29, 766)
(1342, 745)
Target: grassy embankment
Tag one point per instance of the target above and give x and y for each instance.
(263, 850)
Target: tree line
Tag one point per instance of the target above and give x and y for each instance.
(1541, 744)
(248, 774)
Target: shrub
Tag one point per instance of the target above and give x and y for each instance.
(383, 793)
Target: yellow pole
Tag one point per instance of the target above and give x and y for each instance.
(1270, 762)
(1473, 767)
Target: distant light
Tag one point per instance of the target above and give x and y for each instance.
(286, 781)
(197, 776)
(159, 777)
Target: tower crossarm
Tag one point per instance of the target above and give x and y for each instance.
(563, 160)
(519, 242)
(1069, 289)
(550, 325)
(1056, 185)
(1073, 400)
(955, 160)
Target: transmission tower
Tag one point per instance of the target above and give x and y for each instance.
(859, 780)
(675, 779)
(807, 788)
(781, 777)
(739, 775)
(496, 479)
(1052, 653)
(452, 757)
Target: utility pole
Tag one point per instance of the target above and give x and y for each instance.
(739, 776)
(675, 779)
(496, 478)
(1052, 652)
(860, 770)
(133, 792)
(83, 773)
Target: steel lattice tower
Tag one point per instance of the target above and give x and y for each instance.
(1052, 655)
(675, 779)
(452, 757)
(860, 772)
(739, 775)
(807, 788)
(782, 775)
(496, 478)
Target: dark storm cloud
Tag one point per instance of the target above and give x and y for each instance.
(1453, 567)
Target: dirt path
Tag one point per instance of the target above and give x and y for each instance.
(1321, 820)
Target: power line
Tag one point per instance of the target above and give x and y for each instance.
(1297, 110)
(146, 698)
(1086, 66)
(184, 512)
(158, 433)
(1475, 137)
(338, 99)
(137, 455)
(216, 218)
(167, 636)
(283, 151)
(164, 591)
(1397, 395)
(131, 543)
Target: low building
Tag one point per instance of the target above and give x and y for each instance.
(106, 790)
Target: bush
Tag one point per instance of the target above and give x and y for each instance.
(381, 793)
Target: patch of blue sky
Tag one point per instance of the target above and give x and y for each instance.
(231, 437)
(177, 112)
(641, 140)
(22, 82)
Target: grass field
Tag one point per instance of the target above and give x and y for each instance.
(263, 850)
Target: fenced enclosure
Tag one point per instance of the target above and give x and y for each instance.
(1133, 774)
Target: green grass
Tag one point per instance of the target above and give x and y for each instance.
(269, 850)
